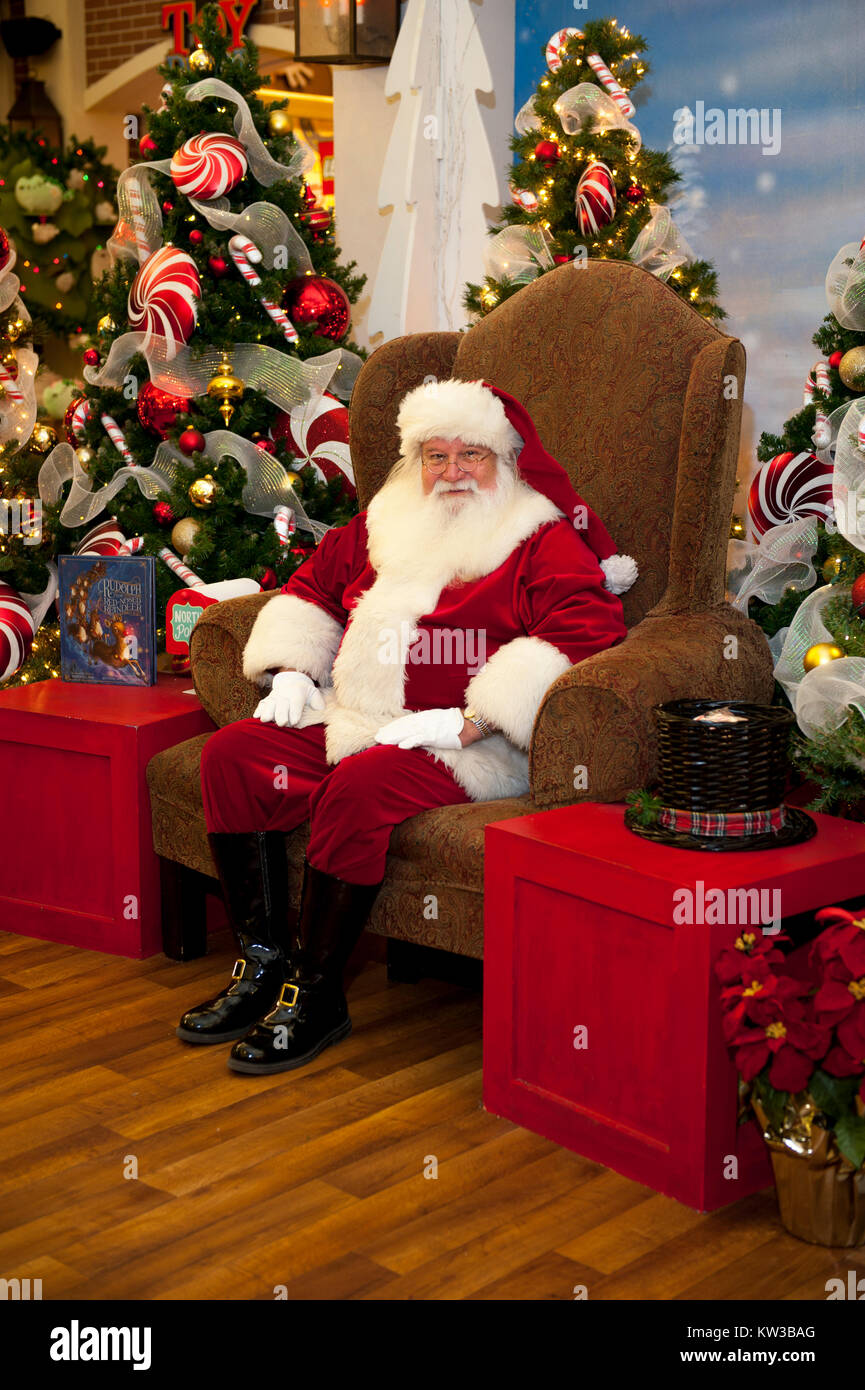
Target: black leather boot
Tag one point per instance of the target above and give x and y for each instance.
(254, 878)
(311, 1012)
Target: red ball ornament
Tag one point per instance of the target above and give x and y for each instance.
(192, 441)
(196, 237)
(313, 299)
(857, 596)
(596, 198)
(634, 193)
(561, 260)
(269, 445)
(835, 358)
(158, 410)
(268, 579)
(91, 358)
(5, 248)
(147, 146)
(547, 153)
(163, 513)
(167, 206)
(218, 266)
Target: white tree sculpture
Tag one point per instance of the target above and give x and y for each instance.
(438, 174)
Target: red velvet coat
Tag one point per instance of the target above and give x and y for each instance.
(385, 632)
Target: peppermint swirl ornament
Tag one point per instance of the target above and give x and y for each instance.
(316, 432)
(105, 538)
(788, 487)
(596, 198)
(163, 299)
(16, 631)
(208, 166)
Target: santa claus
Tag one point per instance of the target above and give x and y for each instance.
(405, 662)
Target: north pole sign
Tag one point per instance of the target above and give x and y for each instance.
(179, 15)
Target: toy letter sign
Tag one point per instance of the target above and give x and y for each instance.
(181, 13)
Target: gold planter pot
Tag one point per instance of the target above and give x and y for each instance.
(821, 1196)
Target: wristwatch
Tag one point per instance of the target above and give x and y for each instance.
(471, 714)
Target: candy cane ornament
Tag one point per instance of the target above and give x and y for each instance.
(13, 390)
(190, 579)
(284, 523)
(608, 81)
(242, 251)
(118, 438)
(132, 546)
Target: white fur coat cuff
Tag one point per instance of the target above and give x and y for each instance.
(291, 632)
(508, 690)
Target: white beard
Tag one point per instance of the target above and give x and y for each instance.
(417, 533)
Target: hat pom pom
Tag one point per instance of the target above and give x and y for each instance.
(620, 573)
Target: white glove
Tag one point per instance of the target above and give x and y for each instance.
(288, 697)
(428, 728)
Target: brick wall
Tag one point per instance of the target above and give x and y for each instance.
(115, 30)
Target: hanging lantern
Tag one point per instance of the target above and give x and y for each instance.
(345, 31)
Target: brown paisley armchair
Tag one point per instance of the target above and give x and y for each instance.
(640, 399)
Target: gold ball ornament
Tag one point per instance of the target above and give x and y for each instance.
(43, 438)
(106, 324)
(15, 329)
(84, 455)
(202, 492)
(737, 529)
(279, 123)
(851, 368)
(294, 479)
(820, 654)
(201, 62)
(183, 535)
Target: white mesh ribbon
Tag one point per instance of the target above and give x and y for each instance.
(806, 628)
(138, 232)
(781, 558)
(660, 247)
(267, 482)
(587, 101)
(527, 118)
(10, 285)
(828, 692)
(83, 504)
(844, 451)
(40, 603)
(265, 168)
(18, 416)
(845, 286)
(285, 380)
(518, 254)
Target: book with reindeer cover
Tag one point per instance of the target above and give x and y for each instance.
(107, 607)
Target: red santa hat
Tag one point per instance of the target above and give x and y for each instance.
(480, 413)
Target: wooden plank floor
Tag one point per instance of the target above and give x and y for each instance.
(314, 1180)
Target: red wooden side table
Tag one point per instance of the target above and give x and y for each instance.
(78, 860)
(580, 935)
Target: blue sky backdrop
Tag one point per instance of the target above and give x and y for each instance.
(770, 224)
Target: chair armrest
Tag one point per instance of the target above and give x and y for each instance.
(216, 657)
(598, 714)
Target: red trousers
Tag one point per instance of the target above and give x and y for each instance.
(257, 776)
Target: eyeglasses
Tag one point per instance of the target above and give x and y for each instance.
(467, 462)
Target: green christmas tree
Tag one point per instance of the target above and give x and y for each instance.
(568, 128)
(58, 208)
(201, 514)
(833, 758)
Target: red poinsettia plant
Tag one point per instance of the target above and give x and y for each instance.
(790, 1035)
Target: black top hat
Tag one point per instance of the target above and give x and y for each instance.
(722, 771)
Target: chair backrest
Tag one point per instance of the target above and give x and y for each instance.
(602, 357)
